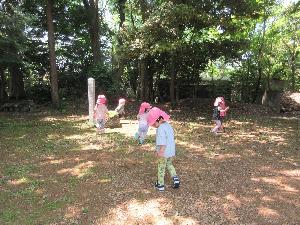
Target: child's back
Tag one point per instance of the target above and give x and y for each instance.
(165, 136)
(143, 118)
(101, 111)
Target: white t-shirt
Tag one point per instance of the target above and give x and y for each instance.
(143, 118)
(165, 136)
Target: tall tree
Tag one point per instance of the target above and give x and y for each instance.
(51, 43)
(92, 13)
(291, 40)
(121, 6)
(12, 44)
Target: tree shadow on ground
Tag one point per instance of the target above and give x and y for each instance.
(56, 170)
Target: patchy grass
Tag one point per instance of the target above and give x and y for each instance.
(55, 169)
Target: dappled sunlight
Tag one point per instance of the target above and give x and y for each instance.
(53, 161)
(147, 212)
(68, 174)
(291, 173)
(50, 119)
(64, 118)
(20, 181)
(190, 146)
(285, 118)
(233, 200)
(73, 212)
(241, 123)
(227, 156)
(268, 212)
(129, 128)
(74, 137)
(263, 137)
(79, 170)
(267, 199)
(278, 182)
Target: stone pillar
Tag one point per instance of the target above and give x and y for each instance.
(91, 97)
(271, 97)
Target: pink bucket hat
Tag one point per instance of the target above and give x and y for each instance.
(217, 101)
(101, 99)
(154, 114)
(122, 101)
(143, 107)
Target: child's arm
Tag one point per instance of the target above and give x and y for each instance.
(161, 151)
(224, 110)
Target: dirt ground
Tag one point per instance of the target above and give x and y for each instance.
(56, 170)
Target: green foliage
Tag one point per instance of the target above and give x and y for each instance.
(39, 92)
(186, 36)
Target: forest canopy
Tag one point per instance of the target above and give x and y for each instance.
(147, 49)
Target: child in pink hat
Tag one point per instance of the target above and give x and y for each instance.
(101, 113)
(165, 147)
(142, 117)
(121, 107)
(219, 112)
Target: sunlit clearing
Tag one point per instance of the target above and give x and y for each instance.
(129, 128)
(267, 212)
(149, 212)
(90, 147)
(75, 137)
(23, 180)
(79, 170)
(291, 173)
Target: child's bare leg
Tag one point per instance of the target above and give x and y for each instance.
(217, 127)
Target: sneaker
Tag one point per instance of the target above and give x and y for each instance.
(159, 187)
(176, 182)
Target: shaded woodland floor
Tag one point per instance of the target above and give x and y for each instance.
(55, 170)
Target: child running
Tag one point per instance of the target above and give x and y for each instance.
(142, 117)
(219, 112)
(121, 108)
(165, 147)
(101, 113)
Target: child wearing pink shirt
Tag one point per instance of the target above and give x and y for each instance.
(219, 112)
(142, 117)
(101, 113)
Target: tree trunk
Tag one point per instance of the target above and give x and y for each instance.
(143, 75)
(145, 72)
(91, 7)
(17, 84)
(3, 94)
(51, 43)
(173, 80)
(120, 60)
(260, 57)
(293, 63)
